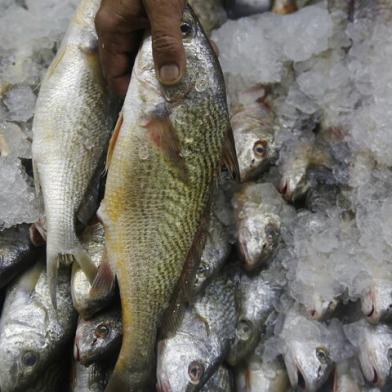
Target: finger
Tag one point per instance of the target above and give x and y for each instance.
(168, 51)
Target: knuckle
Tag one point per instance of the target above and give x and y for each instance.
(164, 43)
(105, 21)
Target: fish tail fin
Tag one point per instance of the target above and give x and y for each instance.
(81, 256)
(52, 266)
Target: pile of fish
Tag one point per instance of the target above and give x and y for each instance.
(197, 237)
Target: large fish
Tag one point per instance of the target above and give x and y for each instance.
(33, 336)
(163, 158)
(73, 120)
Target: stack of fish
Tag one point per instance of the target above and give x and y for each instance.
(186, 279)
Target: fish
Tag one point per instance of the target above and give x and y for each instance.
(91, 378)
(189, 358)
(74, 117)
(306, 352)
(85, 302)
(257, 375)
(348, 377)
(163, 160)
(376, 301)
(220, 381)
(254, 132)
(374, 346)
(33, 336)
(259, 211)
(211, 14)
(284, 7)
(17, 252)
(99, 338)
(257, 297)
(216, 251)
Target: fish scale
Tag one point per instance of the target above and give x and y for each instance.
(160, 172)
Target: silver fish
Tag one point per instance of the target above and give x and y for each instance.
(254, 134)
(189, 358)
(306, 351)
(257, 298)
(17, 252)
(32, 334)
(374, 345)
(98, 338)
(220, 381)
(92, 378)
(215, 253)
(348, 377)
(93, 240)
(72, 125)
(259, 211)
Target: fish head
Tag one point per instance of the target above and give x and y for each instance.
(376, 301)
(321, 309)
(258, 237)
(375, 353)
(254, 137)
(186, 361)
(308, 364)
(98, 337)
(22, 358)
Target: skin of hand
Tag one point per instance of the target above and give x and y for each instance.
(120, 24)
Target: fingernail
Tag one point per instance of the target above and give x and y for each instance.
(169, 73)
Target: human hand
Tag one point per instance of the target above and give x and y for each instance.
(120, 25)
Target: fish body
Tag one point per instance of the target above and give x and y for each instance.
(374, 345)
(98, 338)
(17, 252)
(257, 297)
(259, 211)
(91, 378)
(93, 240)
(33, 335)
(348, 377)
(189, 358)
(215, 253)
(254, 134)
(163, 158)
(73, 120)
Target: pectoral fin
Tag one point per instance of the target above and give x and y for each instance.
(230, 156)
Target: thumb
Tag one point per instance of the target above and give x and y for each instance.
(168, 51)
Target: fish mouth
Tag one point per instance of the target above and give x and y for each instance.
(301, 380)
(375, 377)
(370, 314)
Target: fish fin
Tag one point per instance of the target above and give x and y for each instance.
(56, 61)
(103, 284)
(81, 256)
(185, 293)
(37, 234)
(230, 156)
(113, 140)
(30, 278)
(52, 266)
(37, 184)
(164, 136)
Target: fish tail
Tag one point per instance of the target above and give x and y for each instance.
(52, 266)
(81, 256)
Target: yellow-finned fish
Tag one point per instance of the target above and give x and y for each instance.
(163, 158)
(73, 120)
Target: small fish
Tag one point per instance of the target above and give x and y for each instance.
(163, 160)
(284, 7)
(257, 297)
(91, 378)
(74, 116)
(259, 210)
(376, 301)
(254, 134)
(211, 13)
(256, 375)
(374, 345)
(33, 336)
(215, 253)
(306, 351)
(98, 338)
(220, 381)
(17, 252)
(348, 377)
(189, 358)
(93, 240)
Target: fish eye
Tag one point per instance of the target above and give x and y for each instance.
(195, 371)
(186, 29)
(101, 331)
(29, 358)
(260, 148)
(244, 329)
(322, 355)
